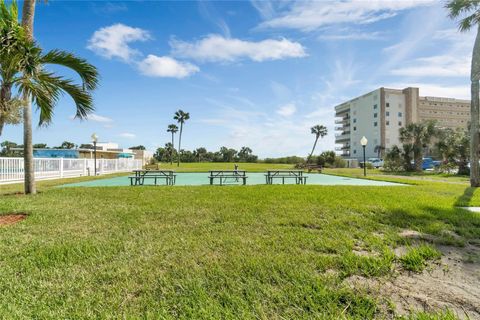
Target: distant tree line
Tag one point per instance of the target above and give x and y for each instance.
(168, 152)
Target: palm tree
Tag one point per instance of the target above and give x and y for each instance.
(24, 71)
(28, 13)
(200, 153)
(181, 117)
(470, 9)
(173, 129)
(379, 149)
(418, 135)
(319, 131)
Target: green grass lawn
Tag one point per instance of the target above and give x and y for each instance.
(268, 252)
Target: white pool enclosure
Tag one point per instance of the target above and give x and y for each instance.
(11, 169)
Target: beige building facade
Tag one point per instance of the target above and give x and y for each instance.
(378, 115)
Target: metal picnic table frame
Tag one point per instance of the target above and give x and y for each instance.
(285, 174)
(223, 175)
(140, 176)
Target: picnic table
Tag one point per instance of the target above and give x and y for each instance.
(270, 175)
(228, 175)
(140, 175)
(312, 167)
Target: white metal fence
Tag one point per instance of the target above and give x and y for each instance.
(11, 169)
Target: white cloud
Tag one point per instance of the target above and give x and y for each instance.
(113, 41)
(97, 118)
(287, 110)
(453, 61)
(268, 133)
(265, 8)
(436, 66)
(127, 135)
(435, 90)
(377, 35)
(167, 67)
(311, 15)
(218, 48)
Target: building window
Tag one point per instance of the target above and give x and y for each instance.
(399, 114)
(375, 124)
(388, 105)
(374, 107)
(387, 113)
(374, 115)
(354, 151)
(354, 128)
(400, 123)
(354, 120)
(387, 123)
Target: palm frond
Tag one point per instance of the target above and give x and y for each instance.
(85, 70)
(44, 96)
(82, 98)
(460, 8)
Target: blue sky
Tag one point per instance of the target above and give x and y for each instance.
(251, 73)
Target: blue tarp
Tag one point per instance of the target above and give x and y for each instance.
(55, 153)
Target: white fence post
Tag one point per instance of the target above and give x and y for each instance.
(61, 167)
(11, 169)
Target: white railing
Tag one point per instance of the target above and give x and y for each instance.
(11, 169)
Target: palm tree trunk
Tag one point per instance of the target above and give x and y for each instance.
(313, 149)
(475, 112)
(418, 160)
(171, 151)
(5, 96)
(2, 123)
(179, 143)
(28, 13)
(474, 125)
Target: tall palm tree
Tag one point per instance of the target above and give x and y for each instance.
(470, 12)
(319, 131)
(28, 13)
(379, 149)
(418, 135)
(24, 69)
(172, 128)
(181, 117)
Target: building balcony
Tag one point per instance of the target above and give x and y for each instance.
(343, 121)
(342, 139)
(339, 113)
(343, 135)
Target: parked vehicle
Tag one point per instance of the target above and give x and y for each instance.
(376, 162)
(429, 164)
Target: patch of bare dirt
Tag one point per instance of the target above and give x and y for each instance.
(451, 283)
(11, 218)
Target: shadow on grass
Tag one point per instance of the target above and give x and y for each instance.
(464, 199)
(453, 226)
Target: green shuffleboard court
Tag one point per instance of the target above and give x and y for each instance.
(201, 178)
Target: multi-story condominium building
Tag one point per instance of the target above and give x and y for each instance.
(378, 115)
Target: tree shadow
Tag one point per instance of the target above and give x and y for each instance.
(465, 198)
(455, 226)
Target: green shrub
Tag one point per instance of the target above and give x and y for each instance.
(339, 162)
